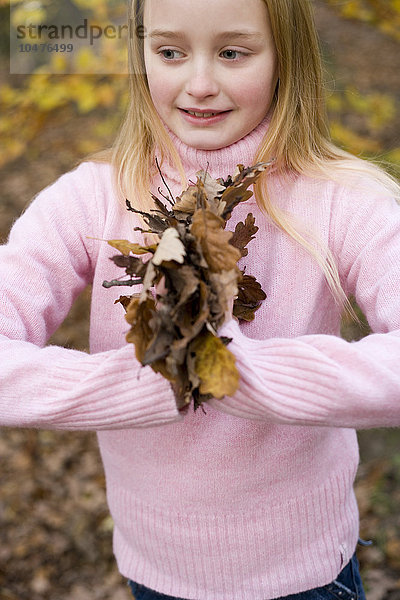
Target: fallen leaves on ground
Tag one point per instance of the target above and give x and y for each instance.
(56, 532)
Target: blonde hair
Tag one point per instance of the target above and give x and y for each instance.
(298, 135)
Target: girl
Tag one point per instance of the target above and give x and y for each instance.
(254, 499)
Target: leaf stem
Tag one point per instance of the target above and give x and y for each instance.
(119, 283)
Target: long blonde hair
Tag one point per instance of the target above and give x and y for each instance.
(298, 135)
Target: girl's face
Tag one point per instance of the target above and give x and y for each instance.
(211, 67)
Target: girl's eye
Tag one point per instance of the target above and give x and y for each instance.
(169, 54)
(232, 54)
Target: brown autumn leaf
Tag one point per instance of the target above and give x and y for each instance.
(131, 264)
(243, 234)
(143, 319)
(139, 315)
(214, 241)
(249, 300)
(151, 278)
(157, 223)
(250, 291)
(224, 287)
(192, 316)
(191, 199)
(237, 190)
(181, 284)
(124, 300)
(163, 336)
(243, 312)
(212, 187)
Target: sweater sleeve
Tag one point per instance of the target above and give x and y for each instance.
(46, 263)
(322, 379)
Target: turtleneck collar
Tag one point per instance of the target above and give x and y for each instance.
(218, 163)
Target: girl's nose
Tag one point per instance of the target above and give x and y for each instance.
(201, 82)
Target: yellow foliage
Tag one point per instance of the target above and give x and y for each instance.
(106, 94)
(27, 107)
(355, 9)
(335, 102)
(88, 146)
(385, 15)
(107, 127)
(352, 142)
(10, 149)
(58, 63)
(379, 109)
(215, 366)
(27, 14)
(8, 95)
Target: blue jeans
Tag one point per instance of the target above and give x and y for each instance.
(347, 586)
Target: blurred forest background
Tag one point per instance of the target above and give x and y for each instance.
(55, 531)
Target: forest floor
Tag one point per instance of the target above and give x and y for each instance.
(56, 533)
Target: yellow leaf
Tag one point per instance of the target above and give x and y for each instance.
(126, 247)
(215, 366)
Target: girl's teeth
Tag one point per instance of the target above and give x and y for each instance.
(197, 114)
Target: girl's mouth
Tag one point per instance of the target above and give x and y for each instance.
(201, 114)
(208, 116)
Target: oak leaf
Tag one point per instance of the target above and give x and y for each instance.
(213, 188)
(189, 200)
(169, 248)
(250, 298)
(131, 264)
(139, 315)
(236, 190)
(224, 287)
(243, 234)
(213, 239)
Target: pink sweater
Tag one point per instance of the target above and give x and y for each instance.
(254, 499)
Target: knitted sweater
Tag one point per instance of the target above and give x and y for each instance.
(254, 499)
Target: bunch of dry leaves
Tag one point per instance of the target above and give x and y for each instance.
(194, 270)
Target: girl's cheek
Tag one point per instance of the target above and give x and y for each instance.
(161, 93)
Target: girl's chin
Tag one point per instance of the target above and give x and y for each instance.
(208, 144)
(207, 140)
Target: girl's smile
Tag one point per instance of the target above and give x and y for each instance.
(211, 67)
(203, 116)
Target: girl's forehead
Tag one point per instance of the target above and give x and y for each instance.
(214, 14)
